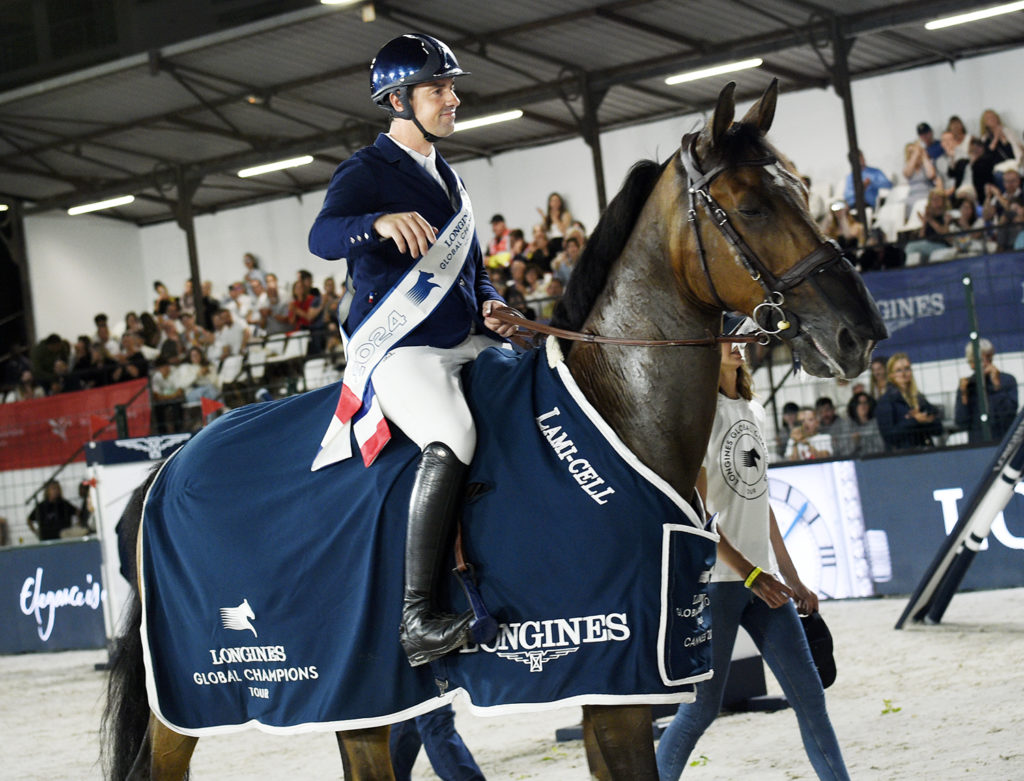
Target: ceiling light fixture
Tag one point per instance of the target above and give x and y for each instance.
(279, 165)
(717, 70)
(490, 119)
(974, 16)
(110, 203)
(4, 207)
(339, 2)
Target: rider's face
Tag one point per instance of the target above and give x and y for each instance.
(434, 104)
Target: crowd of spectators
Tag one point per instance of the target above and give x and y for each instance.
(958, 194)
(891, 414)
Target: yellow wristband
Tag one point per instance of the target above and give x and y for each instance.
(752, 576)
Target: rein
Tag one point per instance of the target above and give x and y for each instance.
(511, 317)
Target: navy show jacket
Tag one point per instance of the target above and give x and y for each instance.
(383, 179)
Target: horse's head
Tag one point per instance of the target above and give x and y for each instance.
(753, 246)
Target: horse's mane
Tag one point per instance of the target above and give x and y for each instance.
(613, 231)
(605, 245)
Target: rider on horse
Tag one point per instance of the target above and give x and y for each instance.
(401, 217)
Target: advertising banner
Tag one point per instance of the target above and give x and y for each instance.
(51, 597)
(925, 308)
(916, 500)
(47, 431)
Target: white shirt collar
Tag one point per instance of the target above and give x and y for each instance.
(427, 162)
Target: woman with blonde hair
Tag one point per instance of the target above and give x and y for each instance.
(919, 171)
(906, 419)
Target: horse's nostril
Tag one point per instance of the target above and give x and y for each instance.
(847, 341)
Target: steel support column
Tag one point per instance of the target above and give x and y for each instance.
(591, 131)
(183, 214)
(841, 46)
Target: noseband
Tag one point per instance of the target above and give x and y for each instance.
(827, 253)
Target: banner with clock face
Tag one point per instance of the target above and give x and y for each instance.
(818, 510)
(871, 527)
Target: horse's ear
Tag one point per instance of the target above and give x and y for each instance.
(725, 110)
(761, 114)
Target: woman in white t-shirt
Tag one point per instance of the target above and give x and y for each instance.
(754, 583)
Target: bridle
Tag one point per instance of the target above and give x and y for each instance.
(776, 321)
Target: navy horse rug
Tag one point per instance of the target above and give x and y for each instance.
(272, 594)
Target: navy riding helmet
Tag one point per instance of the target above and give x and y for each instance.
(407, 60)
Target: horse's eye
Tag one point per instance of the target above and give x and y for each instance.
(750, 212)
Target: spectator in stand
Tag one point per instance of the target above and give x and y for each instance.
(104, 337)
(149, 346)
(150, 331)
(191, 334)
(555, 290)
(879, 376)
(25, 389)
(864, 438)
(832, 424)
(238, 302)
(1002, 146)
(198, 377)
(276, 315)
(905, 417)
(517, 277)
(935, 220)
(978, 172)
(1007, 208)
(951, 166)
(805, 441)
(961, 138)
(168, 398)
(230, 338)
(790, 411)
(188, 297)
(253, 272)
(539, 250)
(163, 298)
(210, 306)
(563, 265)
(315, 314)
(556, 221)
(929, 143)
(1000, 388)
(331, 300)
(102, 365)
(967, 228)
(171, 348)
(44, 355)
(841, 225)
(54, 514)
(499, 249)
(80, 360)
(131, 364)
(873, 179)
(258, 296)
(919, 171)
(63, 380)
(131, 323)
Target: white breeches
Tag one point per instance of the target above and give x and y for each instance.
(420, 391)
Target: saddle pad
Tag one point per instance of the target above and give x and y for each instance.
(272, 594)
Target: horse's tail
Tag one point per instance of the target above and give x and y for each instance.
(126, 716)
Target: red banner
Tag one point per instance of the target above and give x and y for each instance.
(48, 431)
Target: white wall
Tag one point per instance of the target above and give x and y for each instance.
(809, 127)
(79, 266)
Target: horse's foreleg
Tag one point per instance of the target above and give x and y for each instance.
(624, 740)
(365, 755)
(164, 754)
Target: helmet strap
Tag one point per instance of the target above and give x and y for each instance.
(407, 113)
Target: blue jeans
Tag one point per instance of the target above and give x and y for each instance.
(435, 731)
(780, 637)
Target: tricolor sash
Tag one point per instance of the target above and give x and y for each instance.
(398, 313)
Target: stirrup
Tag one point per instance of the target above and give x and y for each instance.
(483, 627)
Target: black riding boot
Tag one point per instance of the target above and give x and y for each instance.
(427, 634)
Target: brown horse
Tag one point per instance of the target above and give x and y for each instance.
(722, 225)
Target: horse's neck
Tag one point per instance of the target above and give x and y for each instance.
(659, 400)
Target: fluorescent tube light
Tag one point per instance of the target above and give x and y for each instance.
(338, 2)
(94, 207)
(279, 165)
(490, 119)
(974, 16)
(4, 207)
(717, 70)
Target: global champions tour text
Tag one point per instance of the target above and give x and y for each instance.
(249, 654)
